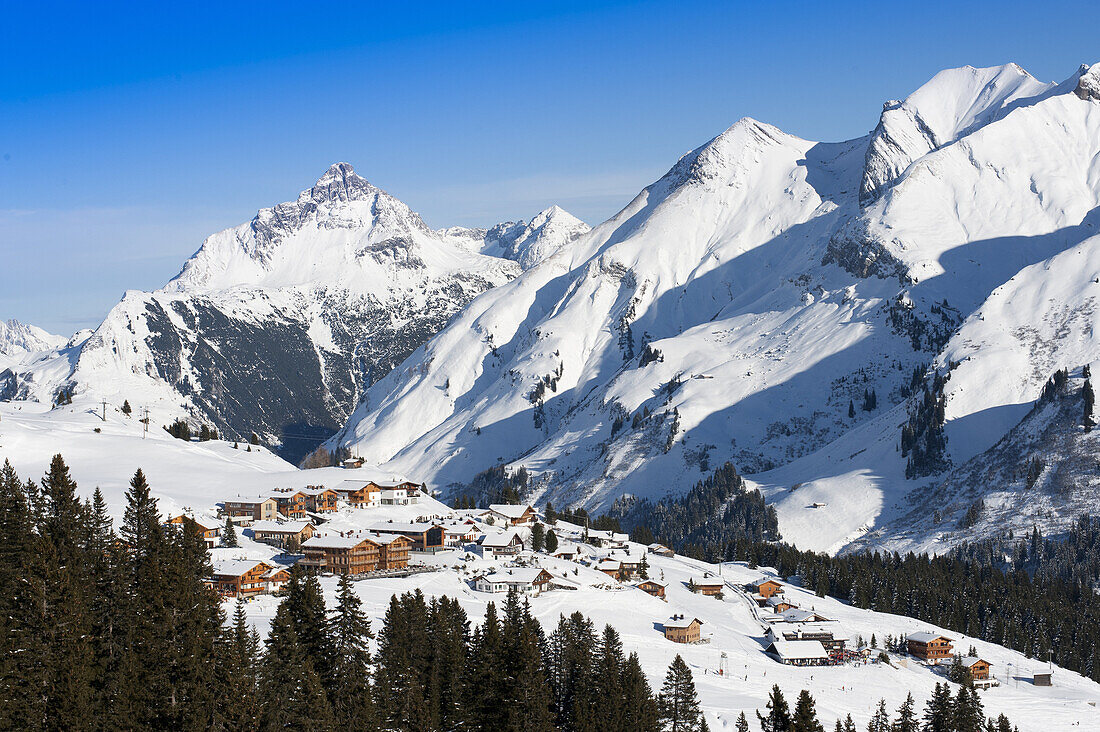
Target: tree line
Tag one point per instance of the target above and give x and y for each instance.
(120, 631)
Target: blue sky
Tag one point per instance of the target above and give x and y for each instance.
(127, 135)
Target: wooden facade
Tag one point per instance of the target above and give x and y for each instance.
(241, 578)
(652, 588)
(766, 588)
(210, 530)
(929, 647)
(356, 555)
(679, 629)
(709, 588)
(978, 668)
(260, 508)
(279, 534)
(424, 537)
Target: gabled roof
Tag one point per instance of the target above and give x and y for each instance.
(798, 615)
(207, 523)
(410, 527)
(773, 601)
(235, 567)
(509, 510)
(286, 527)
(518, 575)
(334, 542)
(925, 637)
(969, 661)
(798, 649)
(504, 538)
(609, 564)
(681, 621)
(766, 581)
(651, 582)
(381, 537)
(351, 486)
(711, 582)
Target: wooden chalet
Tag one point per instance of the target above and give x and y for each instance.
(652, 587)
(459, 534)
(280, 533)
(799, 652)
(778, 604)
(765, 588)
(680, 629)
(929, 647)
(241, 577)
(660, 550)
(513, 515)
(351, 463)
(504, 543)
(210, 528)
(709, 587)
(319, 499)
(525, 580)
(612, 568)
(256, 508)
(977, 668)
(425, 537)
(356, 554)
(819, 632)
(798, 615)
(360, 493)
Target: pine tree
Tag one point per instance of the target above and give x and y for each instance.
(1090, 399)
(538, 537)
(605, 708)
(69, 661)
(347, 680)
(639, 706)
(805, 714)
(448, 632)
(907, 717)
(851, 409)
(400, 671)
(880, 720)
(678, 701)
(966, 712)
(643, 568)
(527, 697)
(570, 665)
(937, 711)
(126, 408)
(779, 714)
(289, 683)
(551, 542)
(237, 674)
(229, 533)
(485, 690)
(743, 723)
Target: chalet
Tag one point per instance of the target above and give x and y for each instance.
(708, 587)
(356, 554)
(525, 580)
(765, 589)
(977, 668)
(679, 629)
(569, 551)
(651, 587)
(359, 493)
(275, 579)
(512, 515)
(819, 632)
(929, 647)
(610, 539)
(460, 534)
(1041, 680)
(210, 528)
(291, 503)
(240, 577)
(777, 604)
(798, 652)
(355, 462)
(256, 508)
(504, 543)
(612, 568)
(660, 550)
(798, 615)
(425, 537)
(282, 533)
(319, 499)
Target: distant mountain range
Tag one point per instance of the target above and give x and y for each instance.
(863, 328)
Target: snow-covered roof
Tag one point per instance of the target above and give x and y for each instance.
(925, 637)
(288, 527)
(765, 580)
(652, 582)
(609, 564)
(709, 582)
(518, 575)
(798, 615)
(350, 486)
(510, 510)
(799, 649)
(681, 621)
(234, 567)
(333, 542)
(382, 537)
(504, 538)
(775, 600)
(205, 522)
(969, 661)
(395, 526)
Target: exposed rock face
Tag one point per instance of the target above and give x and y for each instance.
(1088, 86)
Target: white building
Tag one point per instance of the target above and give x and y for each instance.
(525, 580)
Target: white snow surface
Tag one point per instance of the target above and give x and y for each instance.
(772, 297)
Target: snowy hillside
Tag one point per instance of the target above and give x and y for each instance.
(277, 325)
(746, 305)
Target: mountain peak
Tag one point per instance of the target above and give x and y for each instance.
(1088, 85)
(339, 183)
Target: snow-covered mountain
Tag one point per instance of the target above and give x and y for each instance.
(17, 339)
(746, 305)
(277, 325)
